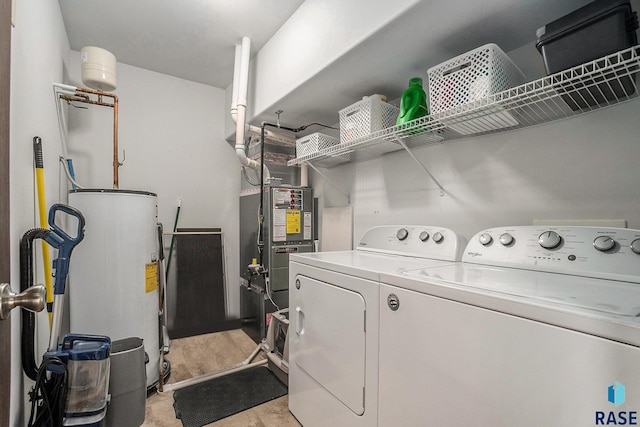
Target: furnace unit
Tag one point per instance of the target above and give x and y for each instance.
(287, 228)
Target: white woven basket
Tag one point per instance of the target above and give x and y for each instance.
(313, 143)
(365, 117)
(470, 77)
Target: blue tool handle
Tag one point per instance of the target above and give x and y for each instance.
(59, 231)
(60, 240)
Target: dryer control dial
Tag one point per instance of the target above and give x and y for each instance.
(549, 240)
(485, 239)
(402, 234)
(424, 236)
(506, 239)
(604, 243)
(438, 237)
(635, 246)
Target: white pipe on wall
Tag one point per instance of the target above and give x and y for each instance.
(239, 100)
(243, 83)
(236, 82)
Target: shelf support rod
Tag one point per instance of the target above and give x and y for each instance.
(348, 197)
(401, 142)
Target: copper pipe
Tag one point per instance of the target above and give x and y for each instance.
(85, 99)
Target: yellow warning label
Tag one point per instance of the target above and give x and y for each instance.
(151, 277)
(293, 221)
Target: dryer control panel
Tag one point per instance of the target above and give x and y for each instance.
(413, 240)
(609, 253)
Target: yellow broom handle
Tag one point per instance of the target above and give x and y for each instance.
(42, 210)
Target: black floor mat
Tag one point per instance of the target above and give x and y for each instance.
(210, 401)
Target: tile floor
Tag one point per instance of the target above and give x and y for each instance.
(209, 353)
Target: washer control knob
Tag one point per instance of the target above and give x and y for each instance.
(438, 237)
(402, 234)
(506, 239)
(424, 236)
(485, 239)
(604, 243)
(549, 240)
(635, 246)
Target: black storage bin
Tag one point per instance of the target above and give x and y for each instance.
(598, 29)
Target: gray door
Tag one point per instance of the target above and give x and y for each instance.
(5, 325)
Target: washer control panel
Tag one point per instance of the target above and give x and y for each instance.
(587, 251)
(413, 240)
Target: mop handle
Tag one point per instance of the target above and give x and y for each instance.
(60, 240)
(46, 252)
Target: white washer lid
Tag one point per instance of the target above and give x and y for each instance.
(599, 307)
(607, 296)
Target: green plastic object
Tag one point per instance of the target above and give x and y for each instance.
(413, 103)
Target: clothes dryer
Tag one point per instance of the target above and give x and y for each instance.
(536, 327)
(333, 320)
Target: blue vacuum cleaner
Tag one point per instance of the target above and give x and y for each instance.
(60, 240)
(84, 360)
(65, 244)
(72, 382)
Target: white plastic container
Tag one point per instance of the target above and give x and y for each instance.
(313, 143)
(470, 77)
(366, 117)
(98, 68)
(467, 81)
(113, 287)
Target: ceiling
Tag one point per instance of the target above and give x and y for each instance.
(190, 39)
(193, 39)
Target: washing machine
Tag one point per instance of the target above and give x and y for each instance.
(333, 320)
(535, 327)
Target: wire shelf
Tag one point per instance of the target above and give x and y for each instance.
(591, 86)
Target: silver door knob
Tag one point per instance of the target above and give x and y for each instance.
(32, 299)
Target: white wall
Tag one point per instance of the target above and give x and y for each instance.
(585, 167)
(315, 36)
(173, 134)
(579, 168)
(39, 51)
(172, 131)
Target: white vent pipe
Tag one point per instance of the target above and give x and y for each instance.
(239, 100)
(234, 93)
(243, 83)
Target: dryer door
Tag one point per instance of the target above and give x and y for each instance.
(330, 332)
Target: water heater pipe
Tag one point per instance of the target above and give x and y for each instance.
(80, 94)
(66, 161)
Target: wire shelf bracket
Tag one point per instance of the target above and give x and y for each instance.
(408, 150)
